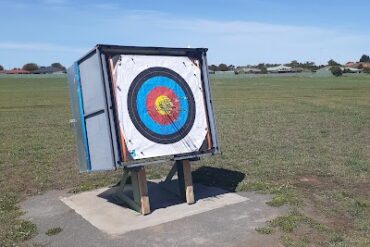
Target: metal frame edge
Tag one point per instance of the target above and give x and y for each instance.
(83, 123)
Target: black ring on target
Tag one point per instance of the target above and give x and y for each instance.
(159, 78)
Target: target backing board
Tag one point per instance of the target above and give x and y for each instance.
(140, 104)
(161, 106)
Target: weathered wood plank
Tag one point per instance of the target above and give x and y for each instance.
(188, 182)
(143, 190)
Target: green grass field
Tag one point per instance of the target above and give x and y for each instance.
(304, 140)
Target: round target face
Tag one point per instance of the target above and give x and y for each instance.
(161, 105)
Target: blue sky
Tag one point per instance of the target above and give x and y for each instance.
(235, 31)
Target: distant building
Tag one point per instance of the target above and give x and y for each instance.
(351, 70)
(14, 71)
(281, 69)
(350, 65)
(49, 70)
(359, 65)
(365, 65)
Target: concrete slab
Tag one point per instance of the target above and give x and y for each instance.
(102, 209)
(232, 225)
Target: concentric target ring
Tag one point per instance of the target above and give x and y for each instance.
(161, 105)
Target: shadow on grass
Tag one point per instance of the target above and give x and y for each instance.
(218, 177)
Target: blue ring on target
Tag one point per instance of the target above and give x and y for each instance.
(143, 84)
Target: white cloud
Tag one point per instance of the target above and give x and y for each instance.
(243, 42)
(237, 42)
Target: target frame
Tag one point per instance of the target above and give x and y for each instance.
(210, 145)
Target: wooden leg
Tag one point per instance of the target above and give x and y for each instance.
(143, 188)
(185, 181)
(140, 190)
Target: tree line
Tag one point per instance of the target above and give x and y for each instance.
(224, 67)
(293, 64)
(33, 66)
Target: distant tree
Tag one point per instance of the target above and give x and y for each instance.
(310, 64)
(307, 65)
(263, 70)
(213, 67)
(1, 67)
(57, 65)
(336, 71)
(360, 66)
(365, 59)
(30, 66)
(261, 66)
(231, 67)
(223, 67)
(293, 64)
(331, 62)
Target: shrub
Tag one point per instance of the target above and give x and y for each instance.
(58, 66)
(365, 58)
(263, 70)
(366, 70)
(333, 63)
(223, 67)
(1, 67)
(213, 67)
(336, 71)
(30, 66)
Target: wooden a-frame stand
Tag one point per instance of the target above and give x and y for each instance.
(136, 176)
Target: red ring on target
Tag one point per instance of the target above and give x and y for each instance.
(163, 105)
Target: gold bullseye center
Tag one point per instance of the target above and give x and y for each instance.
(163, 105)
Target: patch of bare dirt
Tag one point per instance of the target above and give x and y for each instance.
(342, 222)
(362, 189)
(310, 180)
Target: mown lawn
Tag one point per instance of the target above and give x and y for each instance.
(305, 140)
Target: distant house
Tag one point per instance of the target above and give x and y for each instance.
(14, 71)
(351, 70)
(350, 65)
(365, 65)
(281, 69)
(359, 65)
(49, 70)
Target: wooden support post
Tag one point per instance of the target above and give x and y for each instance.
(140, 190)
(185, 181)
(140, 200)
(143, 188)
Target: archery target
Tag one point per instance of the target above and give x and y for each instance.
(160, 105)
